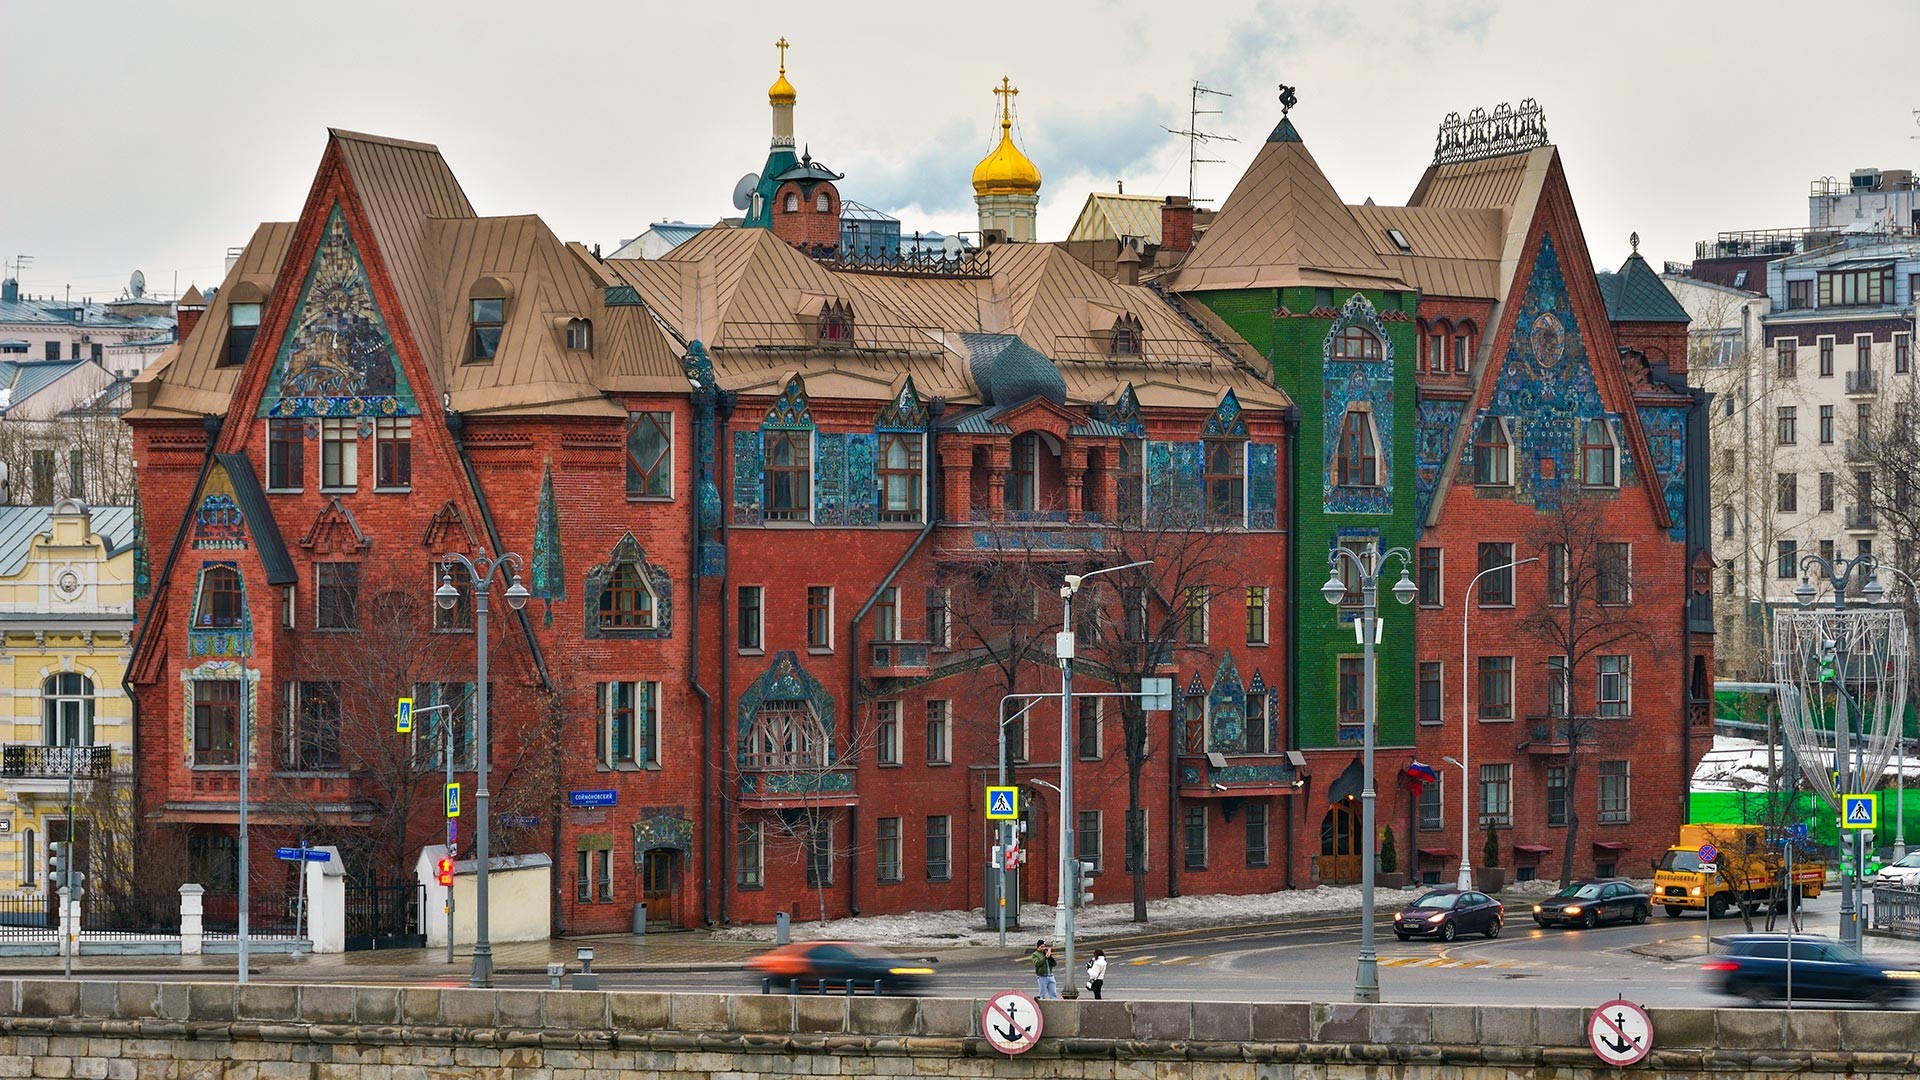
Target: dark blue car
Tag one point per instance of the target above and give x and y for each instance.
(1755, 967)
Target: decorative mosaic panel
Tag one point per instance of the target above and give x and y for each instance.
(1173, 482)
(1344, 383)
(217, 522)
(1546, 388)
(904, 413)
(660, 827)
(142, 565)
(1263, 480)
(548, 569)
(1226, 708)
(789, 411)
(784, 680)
(220, 640)
(337, 358)
(697, 364)
(845, 491)
(1125, 414)
(1272, 775)
(1039, 540)
(749, 477)
(798, 783)
(1666, 428)
(1227, 420)
(1432, 439)
(628, 550)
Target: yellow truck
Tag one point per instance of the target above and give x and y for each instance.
(1749, 872)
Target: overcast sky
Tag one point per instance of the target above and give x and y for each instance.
(155, 135)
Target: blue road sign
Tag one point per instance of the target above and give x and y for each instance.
(1860, 811)
(453, 800)
(1708, 853)
(1799, 830)
(1003, 803)
(597, 797)
(287, 854)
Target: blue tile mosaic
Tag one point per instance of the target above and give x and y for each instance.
(205, 639)
(628, 550)
(749, 477)
(844, 488)
(1666, 428)
(1173, 483)
(1263, 481)
(1433, 439)
(1125, 413)
(1228, 420)
(663, 827)
(905, 412)
(1226, 709)
(785, 680)
(1348, 382)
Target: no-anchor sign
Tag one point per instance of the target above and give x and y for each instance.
(1620, 1033)
(1011, 1022)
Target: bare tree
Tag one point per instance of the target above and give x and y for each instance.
(797, 759)
(1587, 617)
(134, 867)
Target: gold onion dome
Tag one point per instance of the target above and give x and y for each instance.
(1006, 171)
(782, 91)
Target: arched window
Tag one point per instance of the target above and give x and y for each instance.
(1357, 460)
(222, 599)
(1124, 338)
(1357, 343)
(67, 709)
(792, 203)
(1492, 452)
(786, 735)
(627, 602)
(823, 203)
(1420, 331)
(1598, 455)
(789, 476)
(899, 470)
(579, 335)
(1437, 347)
(836, 321)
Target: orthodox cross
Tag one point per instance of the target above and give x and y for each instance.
(1288, 99)
(782, 46)
(1006, 93)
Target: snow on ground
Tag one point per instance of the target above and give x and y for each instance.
(1101, 921)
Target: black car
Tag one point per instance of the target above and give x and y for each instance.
(1448, 913)
(1755, 967)
(1590, 903)
(844, 966)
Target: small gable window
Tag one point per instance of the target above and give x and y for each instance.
(899, 470)
(488, 317)
(222, 602)
(1493, 453)
(836, 321)
(1357, 459)
(1357, 343)
(1598, 455)
(1226, 481)
(579, 335)
(1124, 338)
(627, 602)
(243, 323)
(789, 471)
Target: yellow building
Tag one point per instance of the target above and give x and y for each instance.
(66, 620)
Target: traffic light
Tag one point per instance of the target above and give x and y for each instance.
(445, 872)
(1086, 884)
(59, 861)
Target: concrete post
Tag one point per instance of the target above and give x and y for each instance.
(69, 924)
(327, 903)
(192, 926)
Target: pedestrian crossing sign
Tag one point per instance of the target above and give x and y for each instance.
(1003, 803)
(1860, 811)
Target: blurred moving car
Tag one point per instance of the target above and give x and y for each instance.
(1448, 913)
(1903, 873)
(1590, 903)
(843, 965)
(1755, 967)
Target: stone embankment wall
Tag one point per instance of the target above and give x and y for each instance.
(203, 1031)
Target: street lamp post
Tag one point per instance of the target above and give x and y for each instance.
(1366, 984)
(1841, 576)
(1063, 651)
(481, 572)
(1466, 722)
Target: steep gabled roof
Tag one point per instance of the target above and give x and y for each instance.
(1109, 215)
(1284, 225)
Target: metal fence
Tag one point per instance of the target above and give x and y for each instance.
(268, 915)
(1896, 910)
(135, 916)
(26, 915)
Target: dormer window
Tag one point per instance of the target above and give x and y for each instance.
(1356, 461)
(488, 318)
(627, 602)
(1357, 343)
(836, 321)
(243, 323)
(1124, 338)
(1598, 455)
(1399, 240)
(1493, 453)
(579, 335)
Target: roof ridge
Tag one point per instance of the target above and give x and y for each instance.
(382, 140)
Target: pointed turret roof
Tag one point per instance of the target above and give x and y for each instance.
(1635, 293)
(1284, 225)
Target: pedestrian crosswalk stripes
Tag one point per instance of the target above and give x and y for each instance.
(1429, 962)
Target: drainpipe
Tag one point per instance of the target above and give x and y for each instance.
(703, 426)
(211, 425)
(1290, 421)
(724, 414)
(934, 411)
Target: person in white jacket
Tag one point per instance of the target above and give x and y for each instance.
(1097, 972)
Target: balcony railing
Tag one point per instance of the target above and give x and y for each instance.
(1862, 517)
(899, 654)
(1861, 382)
(56, 762)
(1860, 449)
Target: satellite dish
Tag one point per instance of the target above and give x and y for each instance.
(743, 191)
(137, 286)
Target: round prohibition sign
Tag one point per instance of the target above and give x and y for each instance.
(1620, 1033)
(1011, 1022)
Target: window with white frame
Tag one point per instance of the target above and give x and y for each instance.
(1599, 455)
(629, 724)
(898, 471)
(1496, 795)
(1615, 695)
(786, 735)
(339, 454)
(1257, 610)
(819, 846)
(310, 727)
(1432, 807)
(67, 709)
(1253, 733)
(1615, 792)
(939, 606)
(1493, 453)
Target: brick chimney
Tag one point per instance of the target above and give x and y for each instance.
(1176, 224)
(187, 313)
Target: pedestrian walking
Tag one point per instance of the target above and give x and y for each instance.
(1042, 958)
(1097, 972)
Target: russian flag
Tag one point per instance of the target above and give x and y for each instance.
(1421, 773)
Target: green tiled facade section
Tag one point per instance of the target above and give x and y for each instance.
(1294, 346)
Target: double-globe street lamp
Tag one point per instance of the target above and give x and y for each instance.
(1366, 567)
(1466, 723)
(481, 571)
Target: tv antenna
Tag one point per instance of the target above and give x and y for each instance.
(17, 264)
(1196, 138)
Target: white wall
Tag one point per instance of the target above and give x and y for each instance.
(519, 898)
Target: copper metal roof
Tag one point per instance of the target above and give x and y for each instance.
(1110, 215)
(187, 380)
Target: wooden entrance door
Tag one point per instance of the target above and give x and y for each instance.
(1340, 844)
(656, 886)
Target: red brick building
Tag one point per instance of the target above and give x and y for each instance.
(791, 529)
